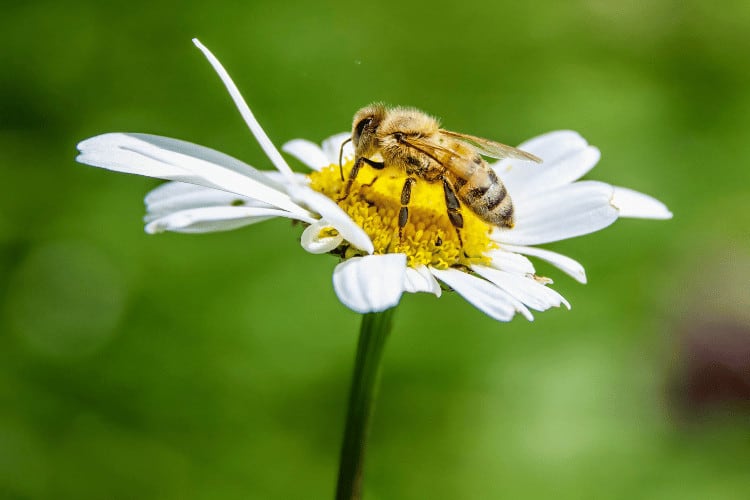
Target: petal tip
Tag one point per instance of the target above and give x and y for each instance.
(153, 228)
(371, 283)
(634, 204)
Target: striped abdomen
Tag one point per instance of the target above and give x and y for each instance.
(485, 195)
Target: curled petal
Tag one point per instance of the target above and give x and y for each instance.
(372, 283)
(335, 217)
(316, 238)
(638, 205)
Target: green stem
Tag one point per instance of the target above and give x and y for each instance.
(373, 332)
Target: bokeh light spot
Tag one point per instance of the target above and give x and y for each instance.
(65, 299)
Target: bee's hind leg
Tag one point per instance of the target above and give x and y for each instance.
(454, 210)
(379, 165)
(403, 214)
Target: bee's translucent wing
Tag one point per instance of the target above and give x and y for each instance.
(430, 148)
(461, 161)
(491, 148)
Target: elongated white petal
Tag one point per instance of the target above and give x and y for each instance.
(213, 219)
(332, 146)
(307, 152)
(529, 292)
(421, 280)
(573, 210)
(212, 156)
(171, 159)
(511, 262)
(554, 145)
(638, 205)
(536, 179)
(562, 262)
(260, 135)
(313, 242)
(282, 180)
(183, 192)
(371, 283)
(174, 196)
(332, 214)
(483, 295)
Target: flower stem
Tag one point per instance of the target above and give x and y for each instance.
(373, 332)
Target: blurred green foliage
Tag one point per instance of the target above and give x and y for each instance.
(217, 366)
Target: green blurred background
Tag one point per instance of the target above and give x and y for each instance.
(217, 366)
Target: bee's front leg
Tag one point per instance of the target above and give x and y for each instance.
(378, 165)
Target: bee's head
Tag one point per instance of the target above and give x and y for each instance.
(364, 126)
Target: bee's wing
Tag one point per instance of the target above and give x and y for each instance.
(439, 153)
(457, 161)
(491, 148)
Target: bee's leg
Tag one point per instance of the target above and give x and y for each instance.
(355, 170)
(369, 184)
(403, 214)
(454, 209)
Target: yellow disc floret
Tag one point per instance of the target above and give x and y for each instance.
(428, 238)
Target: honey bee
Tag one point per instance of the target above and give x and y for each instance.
(412, 140)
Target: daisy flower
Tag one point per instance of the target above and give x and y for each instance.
(211, 191)
(487, 265)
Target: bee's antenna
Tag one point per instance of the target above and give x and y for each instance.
(341, 155)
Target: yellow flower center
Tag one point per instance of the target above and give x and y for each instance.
(428, 238)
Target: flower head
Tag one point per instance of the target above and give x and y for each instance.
(211, 191)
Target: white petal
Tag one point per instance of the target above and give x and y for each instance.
(107, 142)
(511, 262)
(562, 262)
(528, 291)
(212, 219)
(483, 295)
(554, 145)
(421, 280)
(280, 179)
(175, 196)
(634, 204)
(538, 178)
(260, 135)
(171, 159)
(371, 283)
(332, 146)
(307, 152)
(333, 215)
(313, 243)
(572, 210)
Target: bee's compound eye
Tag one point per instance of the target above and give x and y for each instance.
(361, 126)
